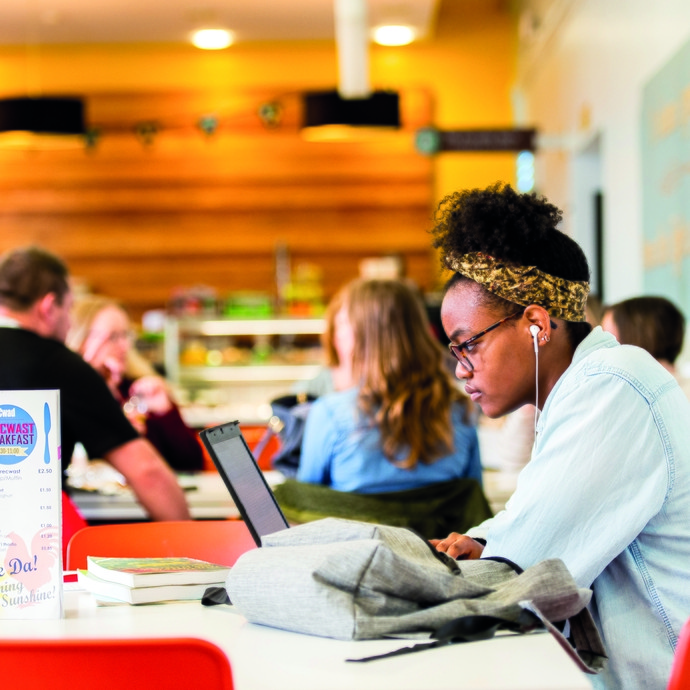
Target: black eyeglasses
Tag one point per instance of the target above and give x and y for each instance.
(459, 351)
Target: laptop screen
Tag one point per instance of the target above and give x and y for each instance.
(245, 481)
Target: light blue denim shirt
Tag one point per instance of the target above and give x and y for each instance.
(342, 449)
(608, 491)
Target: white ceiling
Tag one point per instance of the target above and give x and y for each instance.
(27, 22)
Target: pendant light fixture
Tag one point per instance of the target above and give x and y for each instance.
(353, 111)
(34, 120)
(327, 116)
(42, 122)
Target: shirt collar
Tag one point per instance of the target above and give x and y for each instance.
(9, 322)
(596, 340)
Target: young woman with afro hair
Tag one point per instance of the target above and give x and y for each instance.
(607, 489)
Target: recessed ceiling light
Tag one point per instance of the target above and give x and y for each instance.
(212, 39)
(394, 35)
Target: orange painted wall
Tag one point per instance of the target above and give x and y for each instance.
(468, 68)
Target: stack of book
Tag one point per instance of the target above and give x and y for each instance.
(149, 580)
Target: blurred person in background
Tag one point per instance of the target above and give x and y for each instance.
(653, 323)
(404, 424)
(336, 374)
(35, 303)
(101, 333)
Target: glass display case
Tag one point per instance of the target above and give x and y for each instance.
(225, 369)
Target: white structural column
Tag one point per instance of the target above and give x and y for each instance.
(352, 39)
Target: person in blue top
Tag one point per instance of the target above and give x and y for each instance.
(404, 424)
(607, 489)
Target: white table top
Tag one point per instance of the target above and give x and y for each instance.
(208, 497)
(265, 658)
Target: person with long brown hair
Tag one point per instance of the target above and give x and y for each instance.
(334, 375)
(404, 424)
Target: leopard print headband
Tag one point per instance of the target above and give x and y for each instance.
(524, 285)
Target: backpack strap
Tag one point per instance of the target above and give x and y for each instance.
(467, 629)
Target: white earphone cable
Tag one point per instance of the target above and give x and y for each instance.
(536, 386)
(534, 330)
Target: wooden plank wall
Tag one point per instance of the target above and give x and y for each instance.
(136, 220)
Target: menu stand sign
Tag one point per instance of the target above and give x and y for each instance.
(30, 505)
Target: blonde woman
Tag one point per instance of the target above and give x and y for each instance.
(404, 424)
(101, 333)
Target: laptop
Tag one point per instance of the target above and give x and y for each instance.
(244, 480)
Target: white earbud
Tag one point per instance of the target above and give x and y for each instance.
(534, 330)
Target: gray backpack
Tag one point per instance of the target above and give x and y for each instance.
(354, 581)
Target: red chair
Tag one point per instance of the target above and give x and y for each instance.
(253, 433)
(114, 664)
(72, 522)
(217, 541)
(680, 672)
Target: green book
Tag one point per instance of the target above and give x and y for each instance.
(152, 572)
